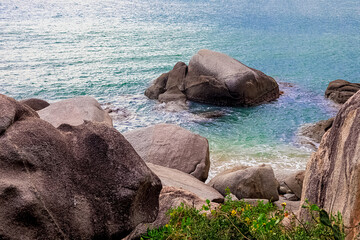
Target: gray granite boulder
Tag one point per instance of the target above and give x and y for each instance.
(332, 177)
(75, 111)
(171, 146)
(178, 179)
(215, 78)
(71, 182)
(248, 182)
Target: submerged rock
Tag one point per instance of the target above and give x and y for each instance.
(171, 146)
(332, 177)
(214, 78)
(340, 90)
(248, 182)
(73, 182)
(314, 132)
(75, 111)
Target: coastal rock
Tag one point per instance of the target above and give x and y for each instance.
(75, 111)
(248, 182)
(316, 131)
(332, 177)
(83, 182)
(171, 146)
(178, 179)
(35, 103)
(214, 78)
(295, 182)
(170, 197)
(340, 90)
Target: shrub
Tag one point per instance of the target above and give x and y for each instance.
(240, 220)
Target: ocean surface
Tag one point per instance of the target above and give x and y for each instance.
(112, 50)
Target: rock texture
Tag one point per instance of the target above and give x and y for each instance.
(332, 178)
(75, 111)
(295, 182)
(252, 182)
(35, 103)
(83, 182)
(214, 78)
(340, 90)
(178, 179)
(171, 146)
(170, 197)
(316, 131)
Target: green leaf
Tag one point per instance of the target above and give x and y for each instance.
(324, 218)
(314, 207)
(207, 201)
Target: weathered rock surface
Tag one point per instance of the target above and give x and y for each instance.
(295, 182)
(83, 182)
(178, 179)
(316, 131)
(252, 182)
(75, 111)
(214, 78)
(340, 90)
(332, 177)
(171, 146)
(35, 103)
(170, 197)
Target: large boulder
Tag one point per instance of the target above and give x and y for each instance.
(35, 103)
(340, 90)
(171, 146)
(75, 111)
(248, 182)
(175, 178)
(214, 78)
(74, 182)
(332, 177)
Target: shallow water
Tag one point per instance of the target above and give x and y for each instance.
(112, 50)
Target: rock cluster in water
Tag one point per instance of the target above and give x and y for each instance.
(214, 78)
(340, 90)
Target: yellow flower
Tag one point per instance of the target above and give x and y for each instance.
(167, 225)
(233, 213)
(283, 204)
(247, 220)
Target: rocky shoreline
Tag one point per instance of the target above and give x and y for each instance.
(66, 173)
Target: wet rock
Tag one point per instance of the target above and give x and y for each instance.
(316, 131)
(340, 90)
(214, 78)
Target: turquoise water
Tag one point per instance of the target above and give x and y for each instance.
(112, 50)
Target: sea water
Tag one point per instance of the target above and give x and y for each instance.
(112, 50)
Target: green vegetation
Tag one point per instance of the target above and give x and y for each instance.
(240, 220)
